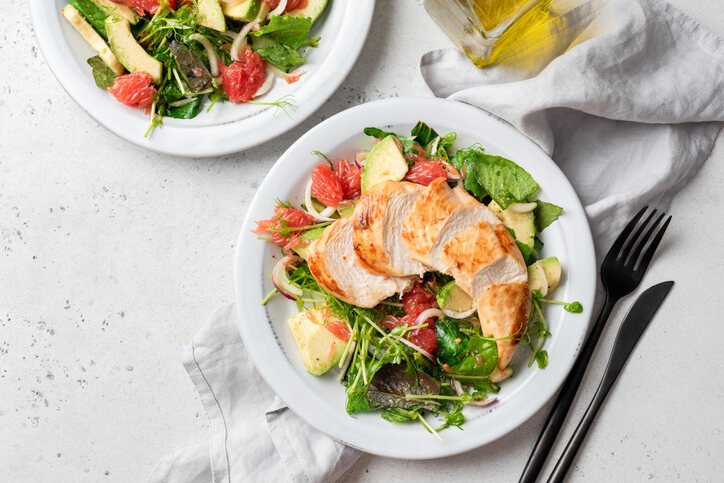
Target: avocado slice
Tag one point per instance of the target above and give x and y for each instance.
(73, 16)
(537, 278)
(211, 15)
(552, 269)
(523, 224)
(385, 162)
(245, 10)
(313, 9)
(320, 349)
(346, 211)
(129, 52)
(452, 297)
(109, 7)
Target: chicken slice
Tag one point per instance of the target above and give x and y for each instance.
(504, 310)
(378, 219)
(481, 255)
(337, 269)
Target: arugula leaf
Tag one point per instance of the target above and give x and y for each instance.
(423, 133)
(279, 41)
(545, 214)
(281, 55)
(288, 30)
(187, 111)
(102, 74)
(357, 402)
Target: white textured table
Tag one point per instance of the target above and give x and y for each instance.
(111, 256)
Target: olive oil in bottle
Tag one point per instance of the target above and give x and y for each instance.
(488, 30)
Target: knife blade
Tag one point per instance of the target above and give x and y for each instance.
(632, 328)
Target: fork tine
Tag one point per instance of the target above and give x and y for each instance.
(625, 253)
(640, 241)
(646, 259)
(616, 247)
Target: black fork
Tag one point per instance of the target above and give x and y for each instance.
(622, 271)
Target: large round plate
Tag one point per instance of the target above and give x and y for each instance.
(321, 400)
(227, 128)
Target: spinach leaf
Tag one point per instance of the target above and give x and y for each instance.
(480, 358)
(527, 252)
(94, 15)
(545, 214)
(451, 342)
(504, 180)
(281, 55)
(409, 145)
(187, 111)
(102, 74)
(423, 133)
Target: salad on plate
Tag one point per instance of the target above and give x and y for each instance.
(173, 57)
(417, 272)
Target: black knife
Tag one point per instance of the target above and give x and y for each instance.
(631, 330)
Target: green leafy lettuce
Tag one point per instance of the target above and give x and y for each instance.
(279, 41)
(102, 74)
(545, 214)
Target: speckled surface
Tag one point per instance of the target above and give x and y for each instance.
(111, 256)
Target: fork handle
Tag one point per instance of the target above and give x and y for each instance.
(557, 416)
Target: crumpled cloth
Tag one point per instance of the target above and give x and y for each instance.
(628, 99)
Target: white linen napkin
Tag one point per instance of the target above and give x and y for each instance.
(626, 101)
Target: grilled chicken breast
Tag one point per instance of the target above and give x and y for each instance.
(378, 220)
(504, 310)
(337, 269)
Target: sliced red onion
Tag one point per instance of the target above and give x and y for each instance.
(482, 404)
(426, 314)
(210, 53)
(360, 157)
(522, 207)
(240, 40)
(417, 348)
(324, 215)
(266, 86)
(281, 281)
(453, 314)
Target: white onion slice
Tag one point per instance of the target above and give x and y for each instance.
(426, 314)
(281, 281)
(453, 314)
(522, 207)
(283, 75)
(324, 215)
(210, 53)
(418, 349)
(240, 40)
(279, 10)
(266, 86)
(457, 386)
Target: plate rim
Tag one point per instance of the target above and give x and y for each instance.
(228, 134)
(587, 293)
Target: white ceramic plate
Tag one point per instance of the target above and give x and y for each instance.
(228, 127)
(321, 400)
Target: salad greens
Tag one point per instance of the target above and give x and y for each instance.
(189, 61)
(380, 368)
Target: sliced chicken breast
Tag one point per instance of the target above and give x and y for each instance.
(482, 255)
(337, 269)
(378, 219)
(504, 310)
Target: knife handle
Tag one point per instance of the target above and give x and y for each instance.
(579, 435)
(557, 416)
